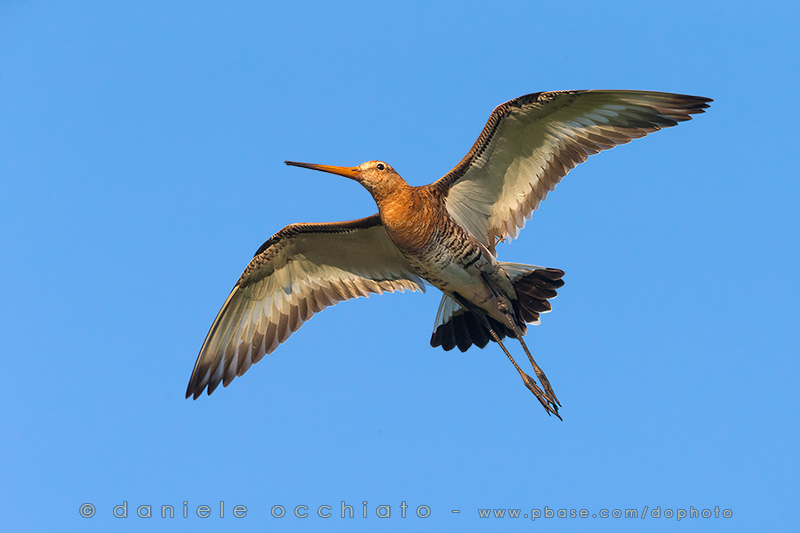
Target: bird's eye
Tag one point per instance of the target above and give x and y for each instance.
(380, 166)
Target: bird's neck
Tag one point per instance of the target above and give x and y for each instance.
(395, 200)
(408, 213)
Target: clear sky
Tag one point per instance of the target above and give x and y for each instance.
(141, 150)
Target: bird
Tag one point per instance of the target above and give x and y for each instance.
(444, 234)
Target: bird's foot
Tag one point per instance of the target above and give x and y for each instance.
(548, 401)
(551, 396)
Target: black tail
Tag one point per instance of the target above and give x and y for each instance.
(533, 291)
(458, 326)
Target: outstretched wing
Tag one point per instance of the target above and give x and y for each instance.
(530, 143)
(301, 270)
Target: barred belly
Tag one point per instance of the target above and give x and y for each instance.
(456, 263)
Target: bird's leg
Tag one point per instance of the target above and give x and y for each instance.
(529, 382)
(502, 305)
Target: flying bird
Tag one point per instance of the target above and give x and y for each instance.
(444, 234)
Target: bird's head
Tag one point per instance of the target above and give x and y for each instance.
(376, 176)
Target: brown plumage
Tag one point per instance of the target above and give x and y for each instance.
(444, 234)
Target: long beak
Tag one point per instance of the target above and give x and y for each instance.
(353, 173)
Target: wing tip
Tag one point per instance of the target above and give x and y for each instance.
(194, 390)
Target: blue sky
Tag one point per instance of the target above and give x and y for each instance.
(141, 167)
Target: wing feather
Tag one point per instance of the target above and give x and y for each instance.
(529, 144)
(301, 270)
